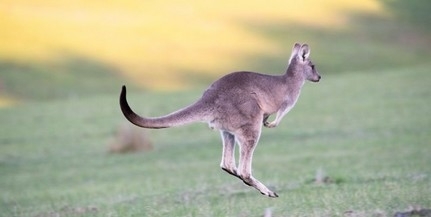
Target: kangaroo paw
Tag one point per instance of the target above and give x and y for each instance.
(270, 125)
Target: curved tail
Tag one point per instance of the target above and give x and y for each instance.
(192, 113)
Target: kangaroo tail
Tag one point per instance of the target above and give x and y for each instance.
(183, 116)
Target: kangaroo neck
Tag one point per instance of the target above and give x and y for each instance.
(294, 82)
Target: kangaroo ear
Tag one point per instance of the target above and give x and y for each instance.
(295, 51)
(304, 52)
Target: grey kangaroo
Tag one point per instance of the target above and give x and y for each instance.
(237, 105)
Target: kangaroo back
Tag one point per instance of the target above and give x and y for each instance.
(192, 113)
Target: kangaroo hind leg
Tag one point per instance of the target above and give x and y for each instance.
(247, 141)
(228, 156)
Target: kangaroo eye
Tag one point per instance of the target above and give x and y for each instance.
(312, 66)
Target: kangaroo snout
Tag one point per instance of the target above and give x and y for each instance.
(316, 78)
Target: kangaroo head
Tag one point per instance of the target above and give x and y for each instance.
(300, 63)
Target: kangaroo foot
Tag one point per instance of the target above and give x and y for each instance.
(250, 181)
(231, 171)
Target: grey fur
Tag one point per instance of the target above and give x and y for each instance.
(238, 105)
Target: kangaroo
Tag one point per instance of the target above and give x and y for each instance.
(237, 105)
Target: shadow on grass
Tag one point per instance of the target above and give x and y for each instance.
(369, 43)
(67, 77)
(416, 13)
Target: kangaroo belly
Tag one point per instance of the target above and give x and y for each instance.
(230, 116)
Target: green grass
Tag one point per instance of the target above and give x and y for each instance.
(365, 125)
(369, 132)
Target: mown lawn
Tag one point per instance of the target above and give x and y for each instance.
(369, 132)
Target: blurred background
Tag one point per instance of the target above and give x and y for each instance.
(51, 49)
(366, 125)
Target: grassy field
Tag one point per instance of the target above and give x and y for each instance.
(368, 132)
(366, 125)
